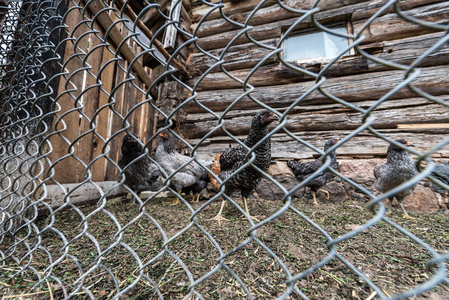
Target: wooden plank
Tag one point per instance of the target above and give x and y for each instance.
(102, 121)
(314, 108)
(171, 32)
(403, 51)
(116, 120)
(90, 98)
(237, 57)
(152, 14)
(351, 88)
(66, 121)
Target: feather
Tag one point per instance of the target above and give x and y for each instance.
(141, 174)
(191, 176)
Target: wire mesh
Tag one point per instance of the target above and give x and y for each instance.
(76, 76)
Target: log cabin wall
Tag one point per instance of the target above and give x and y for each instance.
(353, 78)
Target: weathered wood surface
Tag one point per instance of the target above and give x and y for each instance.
(103, 126)
(353, 78)
(392, 26)
(364, 145)
(237, 57)
(68, 118)
(85, 100)
(329, 117)
(149, 34)
(402, 52)
(329, 10)
(271, 14)
(350, 88)
(89, 100)
(153, 13)
(117, 38)
(171, 32)
(79, 195)
(423, 126)
(228, 9)
(382, 26)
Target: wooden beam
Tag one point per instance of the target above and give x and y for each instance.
(84, 194)
(228, 9)
(392, 26)
(116, 36)
(149, 34)
(153, 13)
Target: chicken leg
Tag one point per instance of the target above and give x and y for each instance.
(218, 217)
(196, 197)
(314, 198)
(324, 192)
(247, 210)
(405, 215)
(389, 211)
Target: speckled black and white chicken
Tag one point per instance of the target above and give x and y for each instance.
(303, 171)
(140, 174)
(233, 158)
(398, 169)
(191, 177)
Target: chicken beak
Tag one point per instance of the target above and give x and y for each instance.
(274, 117)
(409, 144)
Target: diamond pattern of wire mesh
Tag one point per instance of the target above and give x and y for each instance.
(76, 76)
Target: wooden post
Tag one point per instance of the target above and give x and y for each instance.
(171, 32)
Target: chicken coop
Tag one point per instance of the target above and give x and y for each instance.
(95, 94)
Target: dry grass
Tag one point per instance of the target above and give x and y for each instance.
(391, 260)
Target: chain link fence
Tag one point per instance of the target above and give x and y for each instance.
(76, 76)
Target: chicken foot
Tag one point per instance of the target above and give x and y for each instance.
(218, 217)
(405, 215)
(176, 201)
(196, 198)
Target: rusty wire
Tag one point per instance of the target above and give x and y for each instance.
(31, 116)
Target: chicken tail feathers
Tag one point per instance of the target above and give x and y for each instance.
(154, 175)
(293, 165)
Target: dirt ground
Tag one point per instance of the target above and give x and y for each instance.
(391, 260)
